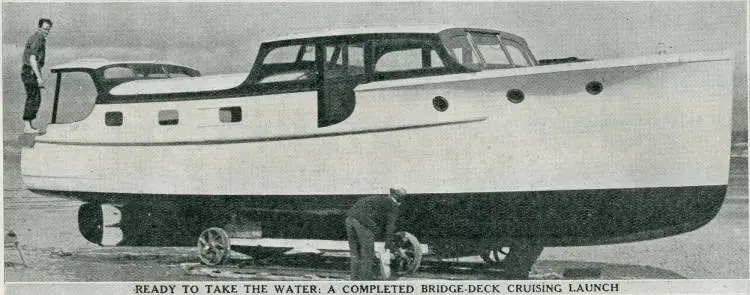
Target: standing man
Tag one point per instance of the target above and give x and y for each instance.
(369, 219)
(31, 74)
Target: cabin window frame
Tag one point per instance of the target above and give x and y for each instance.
(260, 68)
(521, 49)
(483, 54)
(430, 44)
(505, 40)
(342, 51)
(106, 84)
(469, 44)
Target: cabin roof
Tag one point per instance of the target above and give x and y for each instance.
(422, 29)
(182, 84)
(93, 64)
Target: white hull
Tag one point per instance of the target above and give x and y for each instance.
(661, 121)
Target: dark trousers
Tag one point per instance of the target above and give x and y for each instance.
(521, 259)
(362, 248)
(33, 95)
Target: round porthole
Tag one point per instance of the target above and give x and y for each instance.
(440, 103)
(594, 87)
(515, 95)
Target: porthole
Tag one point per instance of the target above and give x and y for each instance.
(440, 103)
(515, 95)
(594, 87)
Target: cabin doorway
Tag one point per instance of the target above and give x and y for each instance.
(75, 97)
(343, 70)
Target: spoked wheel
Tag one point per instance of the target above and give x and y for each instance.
(410, 254)
(213, 246)
(495, 257)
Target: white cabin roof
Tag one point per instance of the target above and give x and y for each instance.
(422, 29)
(93, 64)
(183, 84)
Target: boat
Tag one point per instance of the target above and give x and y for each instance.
(494, 147)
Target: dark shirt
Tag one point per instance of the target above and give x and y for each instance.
(377, 213)
(37, 46)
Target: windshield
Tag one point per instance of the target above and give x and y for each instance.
(491, 50)
(463, 52)
(488, 51)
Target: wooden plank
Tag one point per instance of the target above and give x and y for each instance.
(319, 245)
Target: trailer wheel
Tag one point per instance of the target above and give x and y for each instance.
(213, 246)
(410, 254)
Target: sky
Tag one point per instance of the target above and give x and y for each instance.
(224, 37)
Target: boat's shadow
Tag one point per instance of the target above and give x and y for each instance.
(575, 270)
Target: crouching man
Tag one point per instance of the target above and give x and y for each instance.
(371, 218)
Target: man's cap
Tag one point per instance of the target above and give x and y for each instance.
(398, 191)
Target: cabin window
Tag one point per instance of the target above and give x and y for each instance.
(356, 59)
(167, 71)
(115, 75)
(113, 118)
(169, 117)
(400, 60)
(159, 75)
(435, 60)
(77, 96)
(289, 63)
(290, 54)
(162, 71)
(517, 55)
(491, 50)
(336, 60)
(119, 73)
(230, 114)
(404, 55)
(344, 60)
(178, 75)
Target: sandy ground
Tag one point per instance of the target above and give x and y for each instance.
(54, 250)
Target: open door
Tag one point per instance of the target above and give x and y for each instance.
(75, 96)
(344, 69)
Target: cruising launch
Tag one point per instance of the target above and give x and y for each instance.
(495, 147)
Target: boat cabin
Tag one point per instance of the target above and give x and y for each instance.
(80, 82)
(330, 63)
(347, 58)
